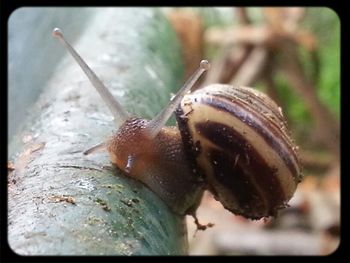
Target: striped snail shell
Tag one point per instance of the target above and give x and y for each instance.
(239, 139)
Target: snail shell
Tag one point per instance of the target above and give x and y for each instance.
(239, 141)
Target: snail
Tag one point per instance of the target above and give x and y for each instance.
(230, 140)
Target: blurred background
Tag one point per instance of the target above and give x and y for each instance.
(292, 54)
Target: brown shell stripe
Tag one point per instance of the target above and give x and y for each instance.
(251, 96)
(271, 118)
(261, 125)
(257, 101)
(261, 100)
(251, 180)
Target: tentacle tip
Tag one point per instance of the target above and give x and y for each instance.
(56, 32)
(205, 65)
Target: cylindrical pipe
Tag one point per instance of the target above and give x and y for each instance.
(61, 202)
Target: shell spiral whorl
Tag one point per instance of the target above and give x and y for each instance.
(242, 148)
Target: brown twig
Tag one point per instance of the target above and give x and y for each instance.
(232, 58)
(280, 36)
(314, 161)
(189, 29)
(269, 80)
(242, 16)
(252, 68)
(327, 128)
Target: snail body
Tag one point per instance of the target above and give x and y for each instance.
(148, 160)
(230, 140)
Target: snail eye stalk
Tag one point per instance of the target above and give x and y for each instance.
(119, 114)
(160, 120)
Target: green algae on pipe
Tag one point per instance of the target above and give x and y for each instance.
(64, 203)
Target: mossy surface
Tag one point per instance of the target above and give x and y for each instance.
(64, 203)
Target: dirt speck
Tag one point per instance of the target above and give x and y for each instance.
(10, 166)
(27, 155)
(127, 202)
(103, 204)
(63, 198)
